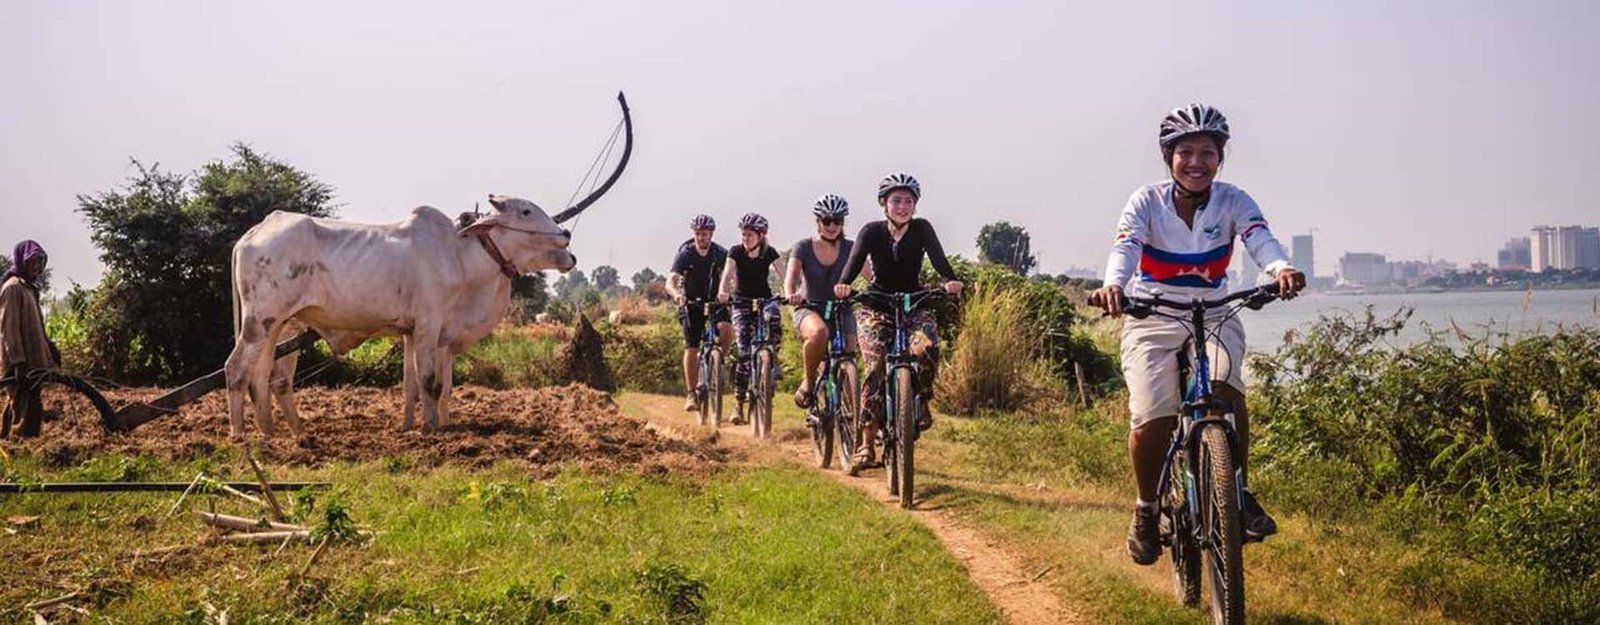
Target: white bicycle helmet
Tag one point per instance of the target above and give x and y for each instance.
(899, 180)
(753, 221)
(1193, 119)
(830, 206)
(702, 222)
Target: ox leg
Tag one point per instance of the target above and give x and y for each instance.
(283, 391)
(408, 380)
(260, 379)
(446, 381)
(428, 382)
(240, 369)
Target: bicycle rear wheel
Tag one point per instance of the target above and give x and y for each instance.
(905, 425)
(1218, 498)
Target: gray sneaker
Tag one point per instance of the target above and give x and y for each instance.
(1258, 525)
(1144, 536)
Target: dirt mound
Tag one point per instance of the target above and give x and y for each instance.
(545, 428)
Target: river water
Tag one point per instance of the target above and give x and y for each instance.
(1473, 311)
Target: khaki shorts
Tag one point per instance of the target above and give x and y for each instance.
(1150, 363)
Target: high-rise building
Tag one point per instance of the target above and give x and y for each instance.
(1359, 269)
(1303, 257)
(1563, 247)
(1588, 248)
(1516, 255)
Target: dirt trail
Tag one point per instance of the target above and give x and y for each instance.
(1022, 595)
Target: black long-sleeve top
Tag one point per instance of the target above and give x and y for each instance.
(897, 266)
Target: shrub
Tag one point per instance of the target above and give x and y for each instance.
(995, 363)
(646, 358)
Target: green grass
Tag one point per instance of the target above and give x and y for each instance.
(744, 545)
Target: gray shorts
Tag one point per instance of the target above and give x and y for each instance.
(1150, 363)
(846, 320)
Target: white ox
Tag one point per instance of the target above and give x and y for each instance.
(438, 288)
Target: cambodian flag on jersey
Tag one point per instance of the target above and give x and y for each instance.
(1201, 269)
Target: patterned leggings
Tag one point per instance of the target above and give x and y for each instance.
(877, 336)
(743, 334)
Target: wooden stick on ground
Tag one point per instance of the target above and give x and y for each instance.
(197, 477)
(241, 494)
(247, 524)
(263, 538)
(321, 547)
(40, 605)
(266, 489)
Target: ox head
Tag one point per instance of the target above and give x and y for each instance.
(527, 236)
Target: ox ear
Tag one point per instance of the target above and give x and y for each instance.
(497, 201)
(483, 224)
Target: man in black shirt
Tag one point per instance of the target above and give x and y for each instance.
(694, 277)
(896, 246)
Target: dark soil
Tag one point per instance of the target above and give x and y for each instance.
(547, 429)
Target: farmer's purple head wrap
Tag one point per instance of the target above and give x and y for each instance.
(20, 255)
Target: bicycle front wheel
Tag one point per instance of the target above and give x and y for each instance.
(847, 413)
(905, 425)
(1218, 499)
(714, 388)
(761, 395)
(822, 430)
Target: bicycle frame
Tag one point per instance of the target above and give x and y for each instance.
(836, 352)
(708, 340)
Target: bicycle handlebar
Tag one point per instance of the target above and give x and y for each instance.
(1138, 306)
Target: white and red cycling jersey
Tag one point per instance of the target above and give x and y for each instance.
(1155, 249)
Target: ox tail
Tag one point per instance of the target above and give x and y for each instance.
(233, 287)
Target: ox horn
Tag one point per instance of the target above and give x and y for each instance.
(627, 150)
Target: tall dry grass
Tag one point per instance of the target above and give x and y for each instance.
(996, 362)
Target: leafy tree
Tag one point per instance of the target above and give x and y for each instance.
(605, 278)
(1005, 244)
(530, 290)
(571, 284)
(164, 311)
(643, 278)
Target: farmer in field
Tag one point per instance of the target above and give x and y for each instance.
(24, 349)
(693, 276)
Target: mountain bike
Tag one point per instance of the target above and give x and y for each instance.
(902, 400)
(1201, 481)
(836, 415)
(762, 356)
(708, 390)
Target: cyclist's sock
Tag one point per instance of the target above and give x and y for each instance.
(1144, 505)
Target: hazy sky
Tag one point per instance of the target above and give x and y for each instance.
(1409, 128)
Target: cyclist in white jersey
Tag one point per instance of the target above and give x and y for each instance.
(1176, 237)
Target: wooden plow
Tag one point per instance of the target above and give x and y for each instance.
(138, 413)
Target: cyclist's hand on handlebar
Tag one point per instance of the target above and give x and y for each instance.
(1108, 298)
(953, 287)
(722, 298)
(1290, 282)
(796, 299)
(841, 291)
(681, 300)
